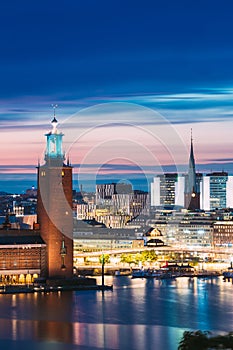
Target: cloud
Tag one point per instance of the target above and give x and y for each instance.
(219, 160)
(198, 106)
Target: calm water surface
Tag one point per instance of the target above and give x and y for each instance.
(138, 314)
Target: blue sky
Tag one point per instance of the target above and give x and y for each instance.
(174, 57)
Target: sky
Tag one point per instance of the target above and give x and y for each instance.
(131, 79)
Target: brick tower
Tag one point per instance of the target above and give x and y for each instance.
(54, 206)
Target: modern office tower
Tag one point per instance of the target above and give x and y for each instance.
(167, 189)
(119, 199)
(217, 191)
(121, 203)
(230, 192)
(192, 190)
(104, 192)
(163, 189)
(54, 207)
(139, 204)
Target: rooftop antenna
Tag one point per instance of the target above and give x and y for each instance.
(54, 122)
(54, 109)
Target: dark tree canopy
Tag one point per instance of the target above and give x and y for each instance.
(200, 340)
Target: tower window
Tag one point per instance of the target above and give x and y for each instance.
(62, 173)
(43, 173)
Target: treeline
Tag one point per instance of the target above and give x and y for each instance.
(205, 341)
(145, 256)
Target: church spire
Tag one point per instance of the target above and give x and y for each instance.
(192, 171)
(192, 192)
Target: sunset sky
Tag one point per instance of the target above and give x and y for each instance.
(131, 79)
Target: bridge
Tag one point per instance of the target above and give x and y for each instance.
(210, 251)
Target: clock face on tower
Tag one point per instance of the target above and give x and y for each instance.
(193, 195)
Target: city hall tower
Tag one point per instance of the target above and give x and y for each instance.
(54, 206)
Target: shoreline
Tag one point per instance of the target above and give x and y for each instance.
(49, 289)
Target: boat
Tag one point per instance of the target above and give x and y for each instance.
(228, 274)
(138, 273)
(117, 273)
(167, 275)
(151, 273)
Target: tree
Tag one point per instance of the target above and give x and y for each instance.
(149, 256)
(127, 258)
(202, 341)
(105, 257)
(138, 257)
(194, 340)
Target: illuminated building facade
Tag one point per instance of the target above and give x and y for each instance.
(167, 189)
(223, 234)
(217, 191)
(22, 256)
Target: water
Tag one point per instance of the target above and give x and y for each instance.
(138, 314)
(19, 183)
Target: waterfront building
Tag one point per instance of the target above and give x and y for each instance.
(223, 233)
(22, 254)
(93, 238)
(54, 206)
(195, 232)
(184, 228)
(192, 189)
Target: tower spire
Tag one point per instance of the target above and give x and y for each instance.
(54, 121)
(54, 152)
(54, 109)
(192, 170)
(191, 187)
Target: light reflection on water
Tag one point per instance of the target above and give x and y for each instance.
(137, 314)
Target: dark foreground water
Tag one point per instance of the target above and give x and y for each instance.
(138, 314)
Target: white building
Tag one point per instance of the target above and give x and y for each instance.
(217, 191)
(168, 189)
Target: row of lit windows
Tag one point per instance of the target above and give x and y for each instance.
(223, 234)
(43, 173)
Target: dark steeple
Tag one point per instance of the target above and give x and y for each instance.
(192, 193)
(192, 181)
